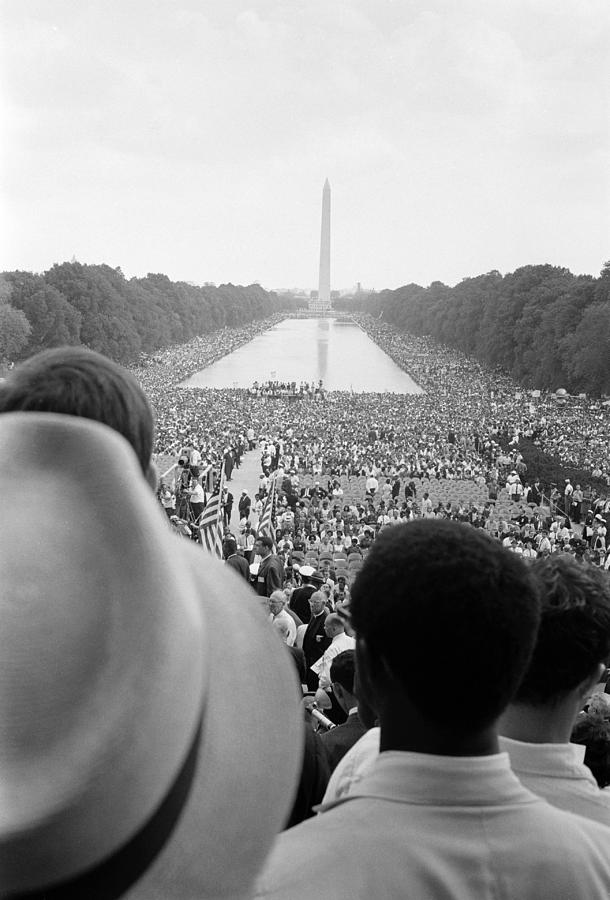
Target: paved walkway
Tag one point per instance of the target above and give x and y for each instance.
(245, 479)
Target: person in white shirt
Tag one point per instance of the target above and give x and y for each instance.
(568, 661)
(441, 814)
(334, 628)
(194, 455)
(277, 610)
(371, 485)
(197, 498)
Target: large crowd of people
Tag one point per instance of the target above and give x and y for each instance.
(160, 737)
(574, 429)
(456, 445)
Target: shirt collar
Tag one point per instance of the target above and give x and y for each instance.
(428, 780)
(545, 759)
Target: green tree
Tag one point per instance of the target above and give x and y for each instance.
(587, 350)
(54, 321)
(14, 331)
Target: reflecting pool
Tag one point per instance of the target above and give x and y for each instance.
(339, 353)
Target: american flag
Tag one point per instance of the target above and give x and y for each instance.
(211, 518)
(265, 525)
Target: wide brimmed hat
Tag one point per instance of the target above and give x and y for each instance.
(150, 733)
(311, 574)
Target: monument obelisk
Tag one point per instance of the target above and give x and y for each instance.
(322, 305)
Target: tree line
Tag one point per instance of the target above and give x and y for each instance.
(543, 325)
(96, 306)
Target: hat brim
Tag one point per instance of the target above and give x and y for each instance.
(233, 814)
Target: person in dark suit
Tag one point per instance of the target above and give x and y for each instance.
(270, 575)
(338, 740)
(234, 560)
(244, 505)
(315, 639)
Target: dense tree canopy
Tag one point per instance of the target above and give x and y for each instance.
(98, 307)
(543, 325)
(14, 331)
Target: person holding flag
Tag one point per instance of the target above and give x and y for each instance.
(267, 515)
(210, 523)
(269, 576)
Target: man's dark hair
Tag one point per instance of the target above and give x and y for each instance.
(266, 541)
(229, 545)
(574, 634)
(436, 598)
(343, 669)
(79, 382)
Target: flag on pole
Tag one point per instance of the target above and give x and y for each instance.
(211, 518)
(265, 525)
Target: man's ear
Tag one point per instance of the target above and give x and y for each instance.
(585, 688)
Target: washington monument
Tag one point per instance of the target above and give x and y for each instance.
(322, 304)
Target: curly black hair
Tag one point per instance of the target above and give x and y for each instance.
(441, 602)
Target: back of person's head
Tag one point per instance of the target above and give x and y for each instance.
(229, 545)
(343, 670)
(79, 382)
(334, 622)
(437, 598)
(574, 635)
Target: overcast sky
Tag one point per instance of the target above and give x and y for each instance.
(193, 138)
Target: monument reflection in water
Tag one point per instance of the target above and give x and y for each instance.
(340, 354)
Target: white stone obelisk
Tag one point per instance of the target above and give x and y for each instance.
(323, 303)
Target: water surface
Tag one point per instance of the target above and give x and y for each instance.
(340, 354)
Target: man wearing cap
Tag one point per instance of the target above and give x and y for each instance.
(311, 581)
(270, 574)
(440, 813)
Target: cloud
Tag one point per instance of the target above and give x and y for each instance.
(214, 125)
